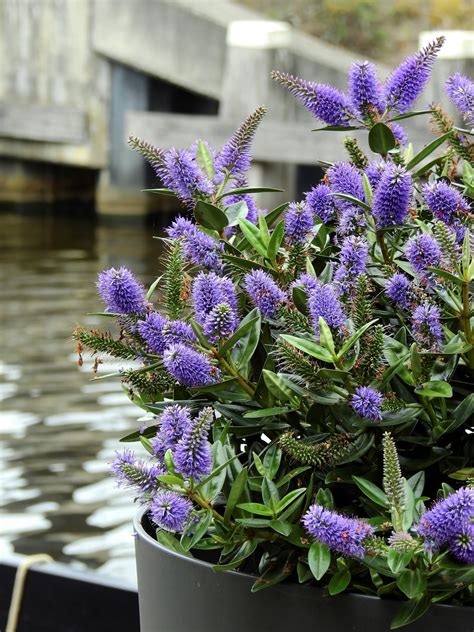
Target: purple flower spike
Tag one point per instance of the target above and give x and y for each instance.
(407, 82)
(264, 292)
(210, 290)
(193, 456)
(159, 333)
(189, 367)
(121, 292)
(345, 178)
(170, 511)
(423, 251)
(306, 282)
(341, 534)
(461, 92)
(173, 421)
(235, 157)
(447, 518)
(374, 173)
(299, 221)
(392, 197)
(198, 248)
(321, 202)
(353, 261)
(181, 174)
(220, 323)
(181, 228)
(324, 102)
(461, 545)
(399, 133)
(365, 90)
(426, 325)
(398, 290)
(366, 402)
(132, 472)
(447, 205)
(323, 303)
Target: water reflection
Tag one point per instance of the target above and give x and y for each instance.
(57, 428)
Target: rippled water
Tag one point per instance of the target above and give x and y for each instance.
(58, 429)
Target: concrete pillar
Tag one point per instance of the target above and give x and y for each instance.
(456, 55)
(254, 49)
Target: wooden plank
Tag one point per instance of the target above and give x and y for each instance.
(47, 123)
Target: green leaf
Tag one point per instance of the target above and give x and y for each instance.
(319, 559)
(199, 531)
(350, 342)
(259, 464)
(335, 128)
(325, 336)
(264, 232)
(210, 216)
(371, 491)
(352, 199)
(397, 561)
(339, 581)
(426, 151)
(253, 236)
(275, 241)
(289, 498)
(153, 287)
(204, 159)
(367, 189)
(240, 332)
(277, 386)
(235, 493)
(272, 460)
(280, 526)
(300, 299)
(270, 494)
(256, 508)
(409, 115)
(243, 552)
(211, 486)
(267, 412)
(160, 192)
(243, 351)
(236, 211)
(409, 511)
(168, 540)
(381, 139)
(308, 346)
(446, 275)
(463, 474)
(248, 190)
(411, 611)
(272, 217)
(412, 582)
(417, 483)
(436, 388)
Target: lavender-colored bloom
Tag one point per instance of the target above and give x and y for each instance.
(323, 303)
(299, 221)
(159, 333)
(447, 205)
(324, 102)
(407, 82)
(235, 157)
(321, 202)
(203, 250)
(353, 261)
(181, 228)
(447, 518)
(366, 402)
(132, 472)
(423, 251)
(426, 325)
(341, 534)
(461, 91)
(400, 134)
(392, 197)
(306, 282)
(398, 290)
(173, 421)
(170, 511)
(180, 173)
(345, 178)
(193, 455)
(374, 172)
(121, 292)
(220, 323)
(264, 292)
(210, 290)
(461, 545)
(189, 367)
(365, 90)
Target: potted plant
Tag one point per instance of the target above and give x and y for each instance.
(307, 378)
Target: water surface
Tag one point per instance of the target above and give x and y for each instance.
(58, 429)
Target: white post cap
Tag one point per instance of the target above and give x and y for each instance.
(458, 44)
(263, 34)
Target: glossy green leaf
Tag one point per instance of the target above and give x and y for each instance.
(410, 611)
(275, 214)
(250, 190)
(235, 494)
(272, 460)
(277, 386)
(256, 508)
(371, 491)
(309, 346)
(325, 336)
(354, 200)
(319, 559)
(350, 342)
(253, 236)
(199, 531)
(160, 192)
(270, 494)
(267, 412)
(275, 241)
(169, 541)
(426, 151)
(339, 581)
(204, 159)
(435, 389)
(280, 526)
(210, 216)
(289, 498)
(381, 139)
(412, 582)
(243, 552)
(235, 212)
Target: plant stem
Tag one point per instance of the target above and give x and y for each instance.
(230, 368)
(383, 247)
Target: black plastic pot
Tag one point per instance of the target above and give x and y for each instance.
(180, 594)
